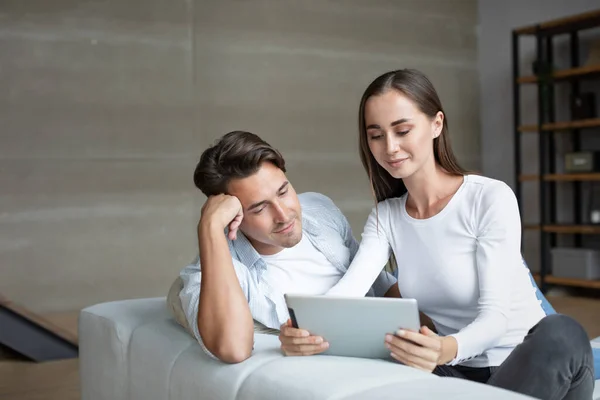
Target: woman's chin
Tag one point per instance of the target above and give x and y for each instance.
(398, 173)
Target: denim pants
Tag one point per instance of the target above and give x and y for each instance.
(554, 362)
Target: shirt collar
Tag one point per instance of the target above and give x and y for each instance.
(248, 255)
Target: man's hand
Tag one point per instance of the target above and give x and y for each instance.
(299, 342)
(221, 211)
(423, 350)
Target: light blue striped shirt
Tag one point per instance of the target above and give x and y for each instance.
(327, 229)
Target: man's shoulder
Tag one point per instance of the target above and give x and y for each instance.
(314, 201)
(322, 216)
(322, 211)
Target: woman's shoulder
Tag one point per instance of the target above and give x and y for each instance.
(487, 193)
(486, 186)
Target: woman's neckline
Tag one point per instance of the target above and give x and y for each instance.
(441, 213)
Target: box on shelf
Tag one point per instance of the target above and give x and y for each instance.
(582, 161)
(577, 263)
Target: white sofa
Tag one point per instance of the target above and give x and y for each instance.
(134, 349)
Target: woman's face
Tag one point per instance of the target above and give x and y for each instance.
(399, 135)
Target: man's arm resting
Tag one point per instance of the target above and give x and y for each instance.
(224, 319)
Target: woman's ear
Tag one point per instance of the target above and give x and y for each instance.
(438, 124)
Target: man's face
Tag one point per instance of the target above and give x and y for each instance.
(272, 215)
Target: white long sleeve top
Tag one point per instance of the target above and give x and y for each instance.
(463, 266)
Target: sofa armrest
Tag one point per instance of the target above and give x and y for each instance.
(104, 334)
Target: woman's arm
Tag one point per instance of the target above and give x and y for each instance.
(373, 253)
(498, 226)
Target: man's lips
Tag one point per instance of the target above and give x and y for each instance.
(288, 228)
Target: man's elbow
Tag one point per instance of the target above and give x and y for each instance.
(229, 351)
(232, 354)
(229, 344)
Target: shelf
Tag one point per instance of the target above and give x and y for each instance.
(527, 128)
(524, 178)
(562, 177)
(562, 126)
(563, 25)
(555, 280)
(572, 177)
(567, 229)
(549, 75)
(563, 74)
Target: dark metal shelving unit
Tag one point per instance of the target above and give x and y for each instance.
(547, 128)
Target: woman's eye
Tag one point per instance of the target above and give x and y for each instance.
(402, 133)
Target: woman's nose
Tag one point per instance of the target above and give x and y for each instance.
(391, 145)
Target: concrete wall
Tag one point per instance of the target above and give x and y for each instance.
(109, 105)
(496, 21)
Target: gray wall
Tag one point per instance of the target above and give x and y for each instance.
(496, 21)
(109, 105)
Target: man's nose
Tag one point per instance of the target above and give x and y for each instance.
(280, 214)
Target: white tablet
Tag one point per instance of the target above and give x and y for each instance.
(353, 326)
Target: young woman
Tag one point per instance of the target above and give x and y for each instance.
(456, 238)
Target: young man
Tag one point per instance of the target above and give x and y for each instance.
(257, 240)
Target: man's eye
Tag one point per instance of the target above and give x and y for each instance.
(259, 210)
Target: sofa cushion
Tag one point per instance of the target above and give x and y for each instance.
(134, 349)
(178, 369)
(166, 362)
(326, 377)
(446, 388)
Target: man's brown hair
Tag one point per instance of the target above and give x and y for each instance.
(236, 155)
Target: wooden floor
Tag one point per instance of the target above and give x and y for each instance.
(21, 380)
(56, 380)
